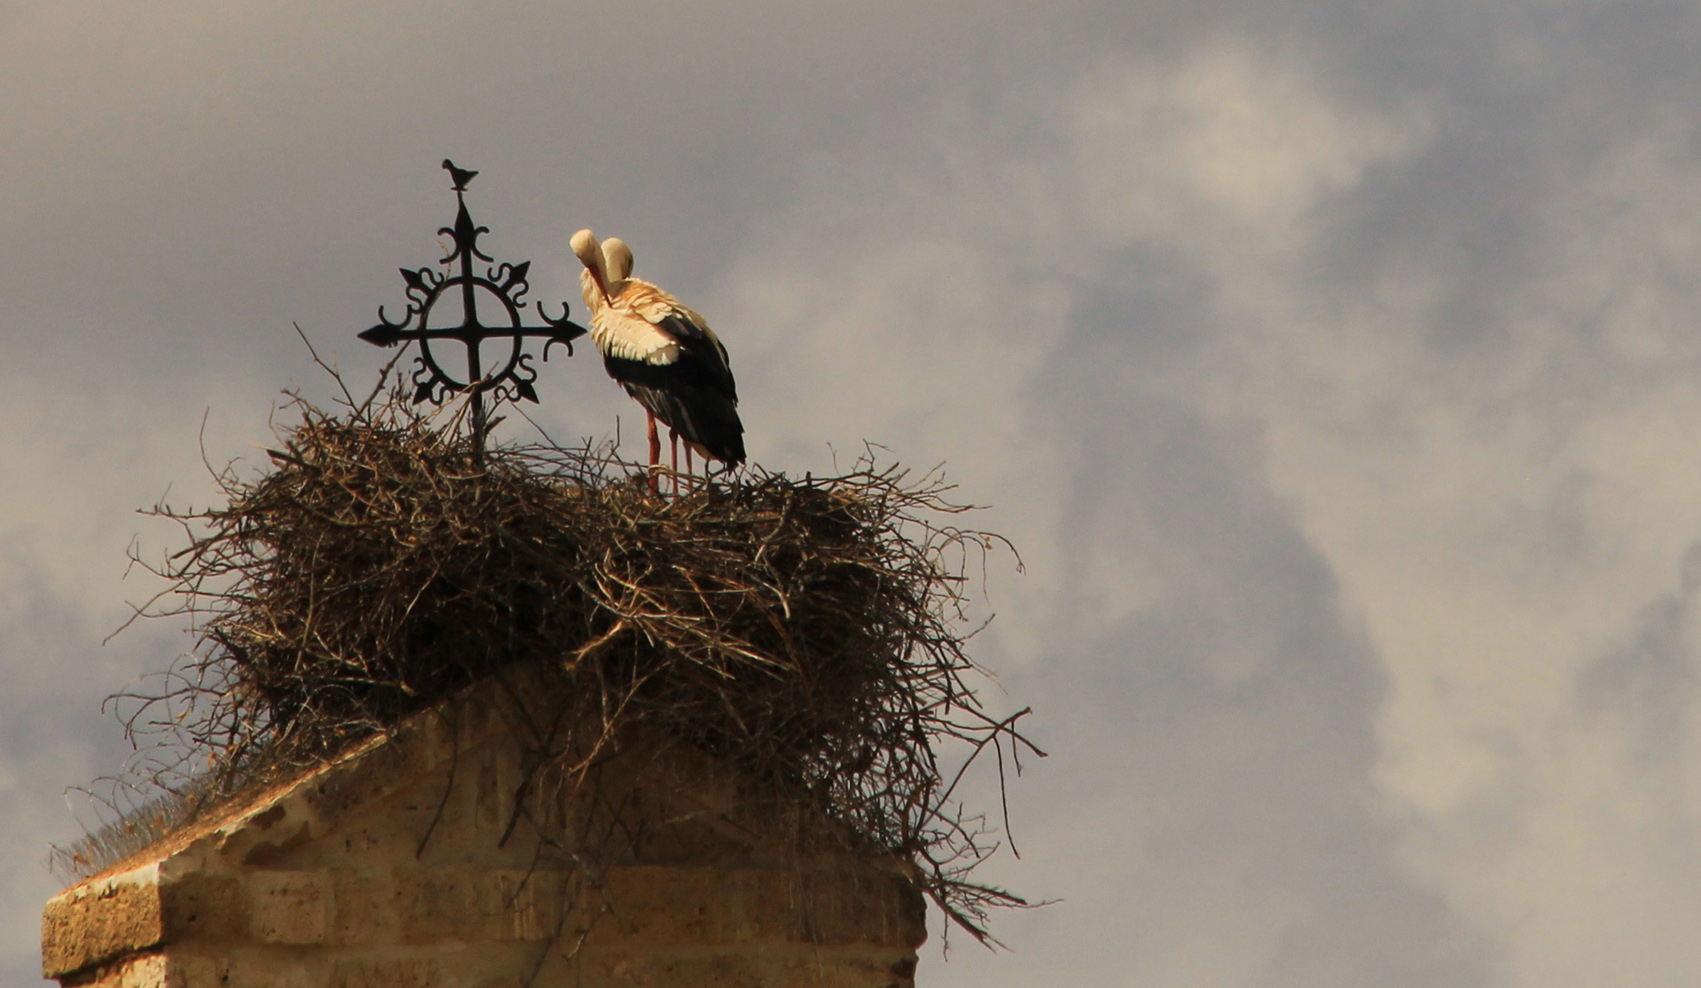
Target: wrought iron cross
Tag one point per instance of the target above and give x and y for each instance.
(510, 377)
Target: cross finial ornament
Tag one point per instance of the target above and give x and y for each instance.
(509, 377)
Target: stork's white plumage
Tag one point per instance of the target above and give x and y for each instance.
(661, 352)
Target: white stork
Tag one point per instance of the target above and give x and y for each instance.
(663, 354)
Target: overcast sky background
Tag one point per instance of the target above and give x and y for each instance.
(1333, 364)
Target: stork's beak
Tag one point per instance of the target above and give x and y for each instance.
(589, 252)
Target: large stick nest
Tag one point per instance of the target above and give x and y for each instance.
(809, 631)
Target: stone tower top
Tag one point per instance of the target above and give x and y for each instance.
(416, 860)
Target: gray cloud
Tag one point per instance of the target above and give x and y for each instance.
(50, 738)
(1652, 680)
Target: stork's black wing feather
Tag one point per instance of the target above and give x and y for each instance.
(701, 349)
(688, 397)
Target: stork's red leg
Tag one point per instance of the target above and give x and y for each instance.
(688, 469)
(673, 441)
(655, 452)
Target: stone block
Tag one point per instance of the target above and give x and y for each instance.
(841, 967)
(385, 973)
(749, 966)
(433, 905)
(850, 905)
(362, 908)
(270, 969)
(665, 905)
(673, 968)
(200, 906)
(190, 970)
(137, 971)
(288, 907)
(437, 904)
(100, 921)
(522, 905)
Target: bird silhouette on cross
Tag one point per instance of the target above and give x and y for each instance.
(461, 176)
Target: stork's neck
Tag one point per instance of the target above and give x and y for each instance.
(597, 305)
(592, 288)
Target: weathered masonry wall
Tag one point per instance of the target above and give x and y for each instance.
(437, 927)
(388, 870)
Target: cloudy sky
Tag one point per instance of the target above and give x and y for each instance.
(1334, 365)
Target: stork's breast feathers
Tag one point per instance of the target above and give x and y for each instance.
(659, 350)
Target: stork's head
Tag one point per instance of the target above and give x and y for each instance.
(585, 247)
(616, 259)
